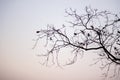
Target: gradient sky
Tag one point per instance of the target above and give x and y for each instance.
(19, 19)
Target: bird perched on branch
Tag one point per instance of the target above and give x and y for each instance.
(75, 33)
(118, 31)
(37, 31)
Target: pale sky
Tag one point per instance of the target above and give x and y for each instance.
(19, 19)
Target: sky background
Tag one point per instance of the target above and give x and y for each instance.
(19, 20)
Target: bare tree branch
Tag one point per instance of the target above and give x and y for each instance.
(94, 30)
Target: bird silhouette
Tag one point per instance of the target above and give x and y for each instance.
(118, 31)
(75, 33)
(37, 31)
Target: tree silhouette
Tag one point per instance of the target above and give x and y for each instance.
(93, 31)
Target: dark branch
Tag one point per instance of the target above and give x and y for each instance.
(94, 30)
